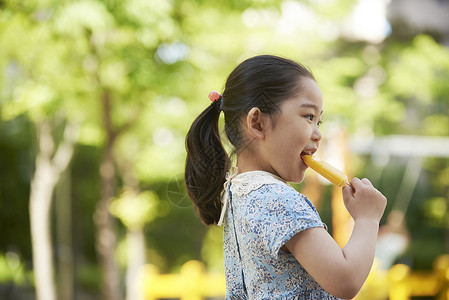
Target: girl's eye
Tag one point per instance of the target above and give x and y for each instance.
(310, 117)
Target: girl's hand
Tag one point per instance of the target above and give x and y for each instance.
(363, 201)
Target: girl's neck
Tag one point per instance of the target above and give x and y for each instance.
(247, 163)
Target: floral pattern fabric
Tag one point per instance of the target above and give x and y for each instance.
(263, 213)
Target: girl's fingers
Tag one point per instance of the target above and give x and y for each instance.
(356, 183)
(366, 181)
(347, 192)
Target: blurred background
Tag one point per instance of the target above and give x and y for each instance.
(96, 97)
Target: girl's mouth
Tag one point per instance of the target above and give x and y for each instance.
(308, 152)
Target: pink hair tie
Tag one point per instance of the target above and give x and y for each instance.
(214, 96)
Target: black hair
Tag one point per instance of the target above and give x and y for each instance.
(263, 81)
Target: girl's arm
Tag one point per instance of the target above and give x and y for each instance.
(342, 272)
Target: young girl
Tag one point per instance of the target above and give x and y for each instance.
(275, 244)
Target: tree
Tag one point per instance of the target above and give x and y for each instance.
(50, 163)
(34, 94)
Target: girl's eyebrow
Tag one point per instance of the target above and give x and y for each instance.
(312, 106)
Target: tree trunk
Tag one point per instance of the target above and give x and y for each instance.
(42, 186)
(135, 242)
(63, 204)
(106, 237)
(48, 170)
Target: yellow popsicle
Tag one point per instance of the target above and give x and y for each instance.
(326, 170)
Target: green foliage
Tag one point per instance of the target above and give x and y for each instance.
(12, 270)
(88, 276)
(16, 162)
(135, 209)
(418, 76)
(428, 63)
(212, 252)
(85, 194)
(437, 212)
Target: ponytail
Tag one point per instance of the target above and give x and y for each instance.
(206, 164)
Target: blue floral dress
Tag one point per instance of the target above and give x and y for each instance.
(263, 212)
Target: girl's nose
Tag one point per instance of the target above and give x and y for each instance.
(316, 135)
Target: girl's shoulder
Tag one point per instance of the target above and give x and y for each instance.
(253, 181)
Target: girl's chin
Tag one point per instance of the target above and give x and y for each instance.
(297, 181)
(298, 177)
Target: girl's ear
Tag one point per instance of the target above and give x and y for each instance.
(254, 123)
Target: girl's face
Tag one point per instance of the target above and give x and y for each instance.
(293, 133)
